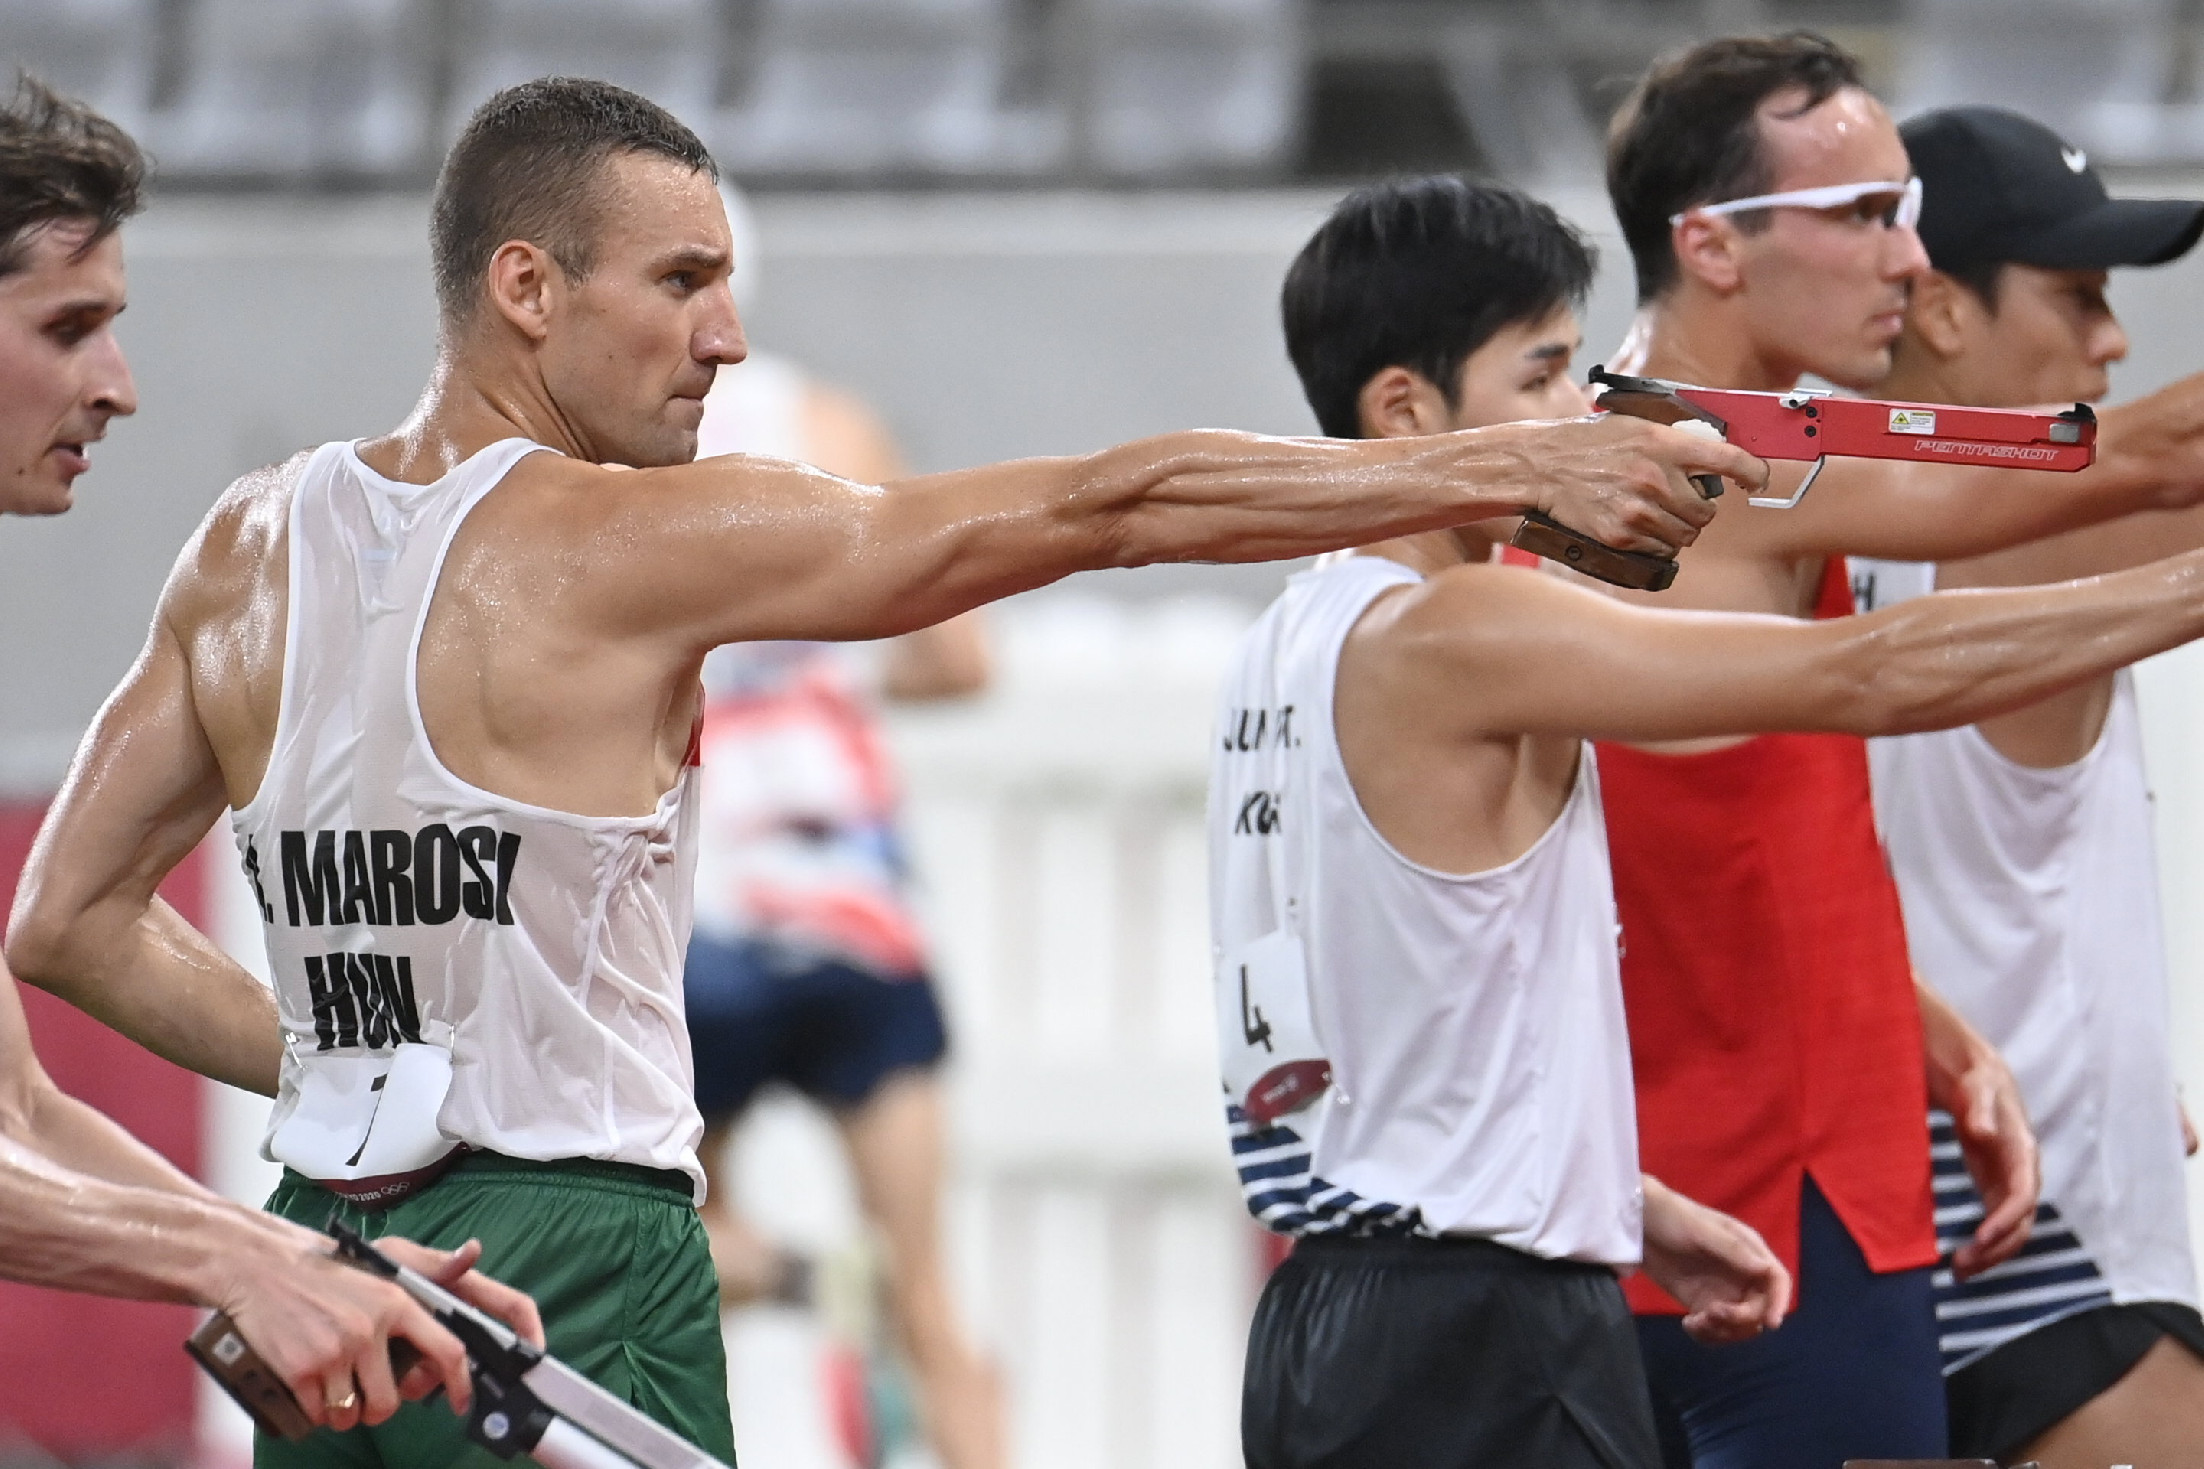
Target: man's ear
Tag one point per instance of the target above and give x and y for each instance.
(1399, 403)
(1940, 311)
(1707, 250)
(525, 284)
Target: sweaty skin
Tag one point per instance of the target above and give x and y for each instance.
(1824, 291)
(83, 1205)
(559, 664)
(2053, 337)
(1462, 702)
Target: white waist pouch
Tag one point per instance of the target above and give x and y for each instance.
(365, 1126)
(1266, 1037)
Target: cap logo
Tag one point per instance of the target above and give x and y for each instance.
(2076, 159)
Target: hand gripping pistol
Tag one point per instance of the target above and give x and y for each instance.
(1810, 424)
(525, 1402)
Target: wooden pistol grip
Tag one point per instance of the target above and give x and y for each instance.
(1638, 570)
(231, 1361)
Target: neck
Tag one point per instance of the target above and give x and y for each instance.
(1690, 337)
(473, 399)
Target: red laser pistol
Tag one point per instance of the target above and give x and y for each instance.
(525, 1402)
(1811, 424)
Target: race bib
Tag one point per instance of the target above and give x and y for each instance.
(1273, 1065)
(363, 1118)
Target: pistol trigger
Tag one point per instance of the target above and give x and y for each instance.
(1785, 502)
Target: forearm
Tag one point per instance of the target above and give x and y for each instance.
(1210, 495)
(160, 982)
(72, 1231)
(1950, 1047)
(85, 1140)
(1935, 662)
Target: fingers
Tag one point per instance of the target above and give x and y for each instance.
(444, 1359)
(454, 1270)
(510, 1306)
(340, 1401)
(1693, 454)
(377, 1393)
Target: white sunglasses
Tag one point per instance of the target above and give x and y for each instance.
(1904, 212)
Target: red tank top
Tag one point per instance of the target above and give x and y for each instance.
(1773, 1025)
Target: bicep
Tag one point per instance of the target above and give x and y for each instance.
(1543, 657)
(737, 549)
(142, 792)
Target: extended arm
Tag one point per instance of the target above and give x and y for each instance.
(1531, 654)
(87, 925)
(732, 549)
(84, 1206)
(2150, 456)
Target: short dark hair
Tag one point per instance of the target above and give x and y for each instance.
(1979, 276)
(526, 167)
(60, 160)
(1419, 273)
(1688, 134)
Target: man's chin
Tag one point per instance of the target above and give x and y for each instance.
(37, 497)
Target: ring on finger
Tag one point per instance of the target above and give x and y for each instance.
(348, 1402)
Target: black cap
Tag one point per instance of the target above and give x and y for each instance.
(1998, 188)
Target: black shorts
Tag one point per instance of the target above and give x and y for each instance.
(1442, 1354)
(2007, 1398)
(761, 1012)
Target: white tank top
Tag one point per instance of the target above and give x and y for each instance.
(451, 967)
(1473, 1023)
(2031, 903)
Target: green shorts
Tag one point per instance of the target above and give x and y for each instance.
(616, 1260)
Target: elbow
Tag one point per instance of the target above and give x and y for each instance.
(37, 948)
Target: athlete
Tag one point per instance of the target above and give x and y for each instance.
(446, 683)
(1786, 1057)
(1421, 1012)
(2023, 848)
(808, 966)
(83, 1205)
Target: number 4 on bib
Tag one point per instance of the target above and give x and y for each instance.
(1273, 1064)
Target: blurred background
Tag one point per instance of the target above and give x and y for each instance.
(1012, 227)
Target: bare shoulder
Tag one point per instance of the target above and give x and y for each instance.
(243, 540)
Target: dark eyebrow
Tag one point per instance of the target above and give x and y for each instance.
(1552, 352)
(693, 257)
(82, 304)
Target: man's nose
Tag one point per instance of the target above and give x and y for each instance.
(721, 341)
(1908, 257)
(112, 390)
(2111, 343)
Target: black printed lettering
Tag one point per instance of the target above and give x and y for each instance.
(1254, 1029)
(390, 858)
(1260, 813)
(478, 893)
(362, 1000)
(252, 875)
(394, 977)
(310, 887)
(336, 1023)
(508, 857)
(368, 996)
(436, 874)
(1247, 729)
(392, 878)
(359, 893)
